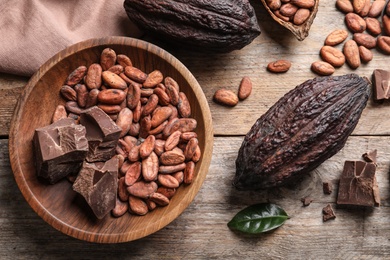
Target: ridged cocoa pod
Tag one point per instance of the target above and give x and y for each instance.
(216, 25)
(304, 128)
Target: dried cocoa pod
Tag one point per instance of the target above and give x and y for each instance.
(304, 128)
(285, 18)
(220, 26)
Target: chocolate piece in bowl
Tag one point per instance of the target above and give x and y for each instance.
(98, 184)
(60, 149)
(102, 134)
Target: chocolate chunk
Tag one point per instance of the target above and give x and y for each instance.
(98, 184)
(381, 88)
(102, 134)
(60, 149)
(327, 187)
(370, 156)
(306, 201)
(358, 185)
(328, 213)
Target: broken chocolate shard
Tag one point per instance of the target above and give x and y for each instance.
(381, 88)
(102, 134)
(98, 184)
(306, 201)
(358, 185)
(60, 149)
(327, 187)
(328, 213)
(370, 156)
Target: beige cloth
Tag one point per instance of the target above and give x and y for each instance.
(32, 31)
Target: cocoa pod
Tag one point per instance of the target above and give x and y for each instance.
(304, 128)
(295, 15)
(234, 22)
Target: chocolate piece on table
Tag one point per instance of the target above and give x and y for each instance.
(328, 213)
(381, 82)
(60, 149)
(102, 134)
(306, 201)
(358, 185)
(370, 156)
(327, 187)
(98, 184)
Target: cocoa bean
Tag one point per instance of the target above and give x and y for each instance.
(142, 189)
(150, 166)
(365, 40)
(344, 6)
(355, 23)
(322, 68)
(288, 9)
(373, 26)
(377, 8)
(184, 107)
(120, 208)
(383, 43)
(138, 206)
(135, 74)
(93, 79)
(189, 172)
(107, 58)
(225, 97)
(159, 199)
(151, 105)
(279, 66)
(167, 192)
(123, 194)
(59, 113)
(147, 147)
(336, 37)
(163, 98)
(113, 80)
(190, 148)
(168, 181)
(153, 78)
(133, 173)
(82, 94)
(172, 157)
(124, 120)
(303, 3)
(76, 76)
(92, 98)
(159, 115)
(301, 16)
(123, 60)
(332, 55)
(117, 69)
(245, 88)
(172, 140)
(68, 93)
(168, 169)
(351, 52)
(365, 54)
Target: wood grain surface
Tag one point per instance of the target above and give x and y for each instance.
(201, 231)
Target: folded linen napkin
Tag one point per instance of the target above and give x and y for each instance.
(32, 31)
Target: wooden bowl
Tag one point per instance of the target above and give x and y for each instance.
(58, 204)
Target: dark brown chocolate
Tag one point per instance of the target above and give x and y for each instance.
(327, 187)
(60, 149)
(328, 213)
(358, 185)
(98, 184)
(381, 82)
(306, 201)
(102, 134)
(370, 156)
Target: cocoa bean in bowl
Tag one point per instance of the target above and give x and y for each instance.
(111, 140)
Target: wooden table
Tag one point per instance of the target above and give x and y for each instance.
(201, 231)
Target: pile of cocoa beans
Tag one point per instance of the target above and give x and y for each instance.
(295, 11)
(369, 24)
(158, 147)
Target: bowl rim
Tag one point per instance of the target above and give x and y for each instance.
(15, 158)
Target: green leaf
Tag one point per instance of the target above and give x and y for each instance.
(258, 218)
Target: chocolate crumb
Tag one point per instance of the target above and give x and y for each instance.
(370, 156)
(306, 201)
(328, 213)
(327, 187)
